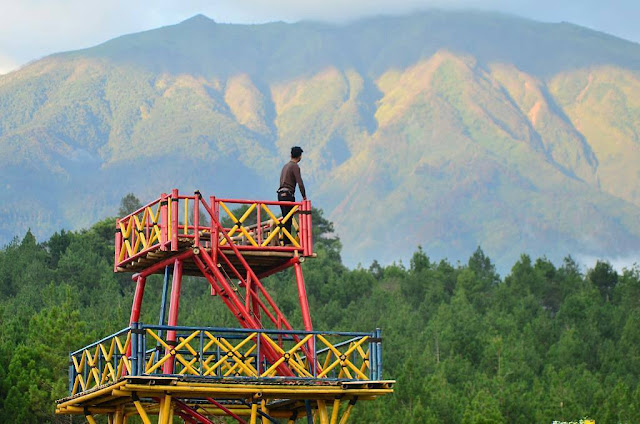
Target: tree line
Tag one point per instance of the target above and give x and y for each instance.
(547, 342)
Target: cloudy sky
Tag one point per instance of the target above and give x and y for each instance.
(31, 29)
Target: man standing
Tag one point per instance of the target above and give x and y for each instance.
(289, 178)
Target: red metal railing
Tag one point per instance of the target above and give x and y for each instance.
(217, 223)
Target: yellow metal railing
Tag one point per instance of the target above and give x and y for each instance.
(172, 218)
(223, 353)
(100, 363)
(261, 233)
(139, 232)
(202, 353)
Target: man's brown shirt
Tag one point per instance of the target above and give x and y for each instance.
(290, 176)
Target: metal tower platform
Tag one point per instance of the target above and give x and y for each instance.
(263, 371)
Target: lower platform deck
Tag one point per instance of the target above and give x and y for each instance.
(278, 398)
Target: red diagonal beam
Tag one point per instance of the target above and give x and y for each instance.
(279, 268)
(243, 261)
(243, 315)
(267, 350)
(162, 264)
(226, 410)
(254, 277)
(304, 305)
(218, 290)
(186, 418)
(249, 320)
(184, 415)
(190, 411)
(254, 295)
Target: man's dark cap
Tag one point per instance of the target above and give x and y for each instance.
(296, 151)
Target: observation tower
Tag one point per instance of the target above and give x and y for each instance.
(263, 371)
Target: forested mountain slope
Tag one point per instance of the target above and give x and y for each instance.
(442, 129)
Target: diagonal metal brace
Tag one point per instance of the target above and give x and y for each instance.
(267, 416)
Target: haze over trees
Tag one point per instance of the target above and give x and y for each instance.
(546, 342)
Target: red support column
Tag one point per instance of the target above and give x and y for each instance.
(304, 237)
(259, 223)
(118, 246)
(255, 304)
(247, 296)
(164, 222)
(137, 300)
(173, 311)
(196, 218)
(301, 226)
(174, 219)
(309, 229)
(137, 306)
(214, 229)
(302, 294)
(304, 307)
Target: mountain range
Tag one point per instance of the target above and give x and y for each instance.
(446, 130)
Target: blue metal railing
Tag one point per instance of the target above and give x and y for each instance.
(213, 352)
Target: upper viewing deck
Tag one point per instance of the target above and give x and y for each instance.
(250, 230)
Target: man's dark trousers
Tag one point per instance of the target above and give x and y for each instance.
(286, 197)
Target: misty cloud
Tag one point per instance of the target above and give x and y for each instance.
(31, 29)
(619, 263)
(7, 64)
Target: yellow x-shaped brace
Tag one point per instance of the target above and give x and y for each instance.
(127, 249)
(126, 233)
(233, 352)
(365, 358)
(173, 351)
(231, 369)
(240, 362)
(289, 356)
(365, 362)
(339, 358)
(138, 224)
(205, 364)
(109, 370)
(85, 361)
(94, 373)
(124, 362)
(79, 367)
(189, 368)
(108, 373)
(89, 361)
(279, 228)
(238, 225)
